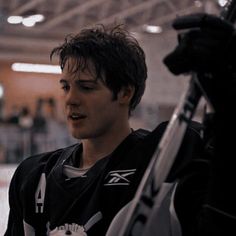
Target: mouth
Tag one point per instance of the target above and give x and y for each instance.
(76, 116)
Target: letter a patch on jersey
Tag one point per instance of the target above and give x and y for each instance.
(40, 194)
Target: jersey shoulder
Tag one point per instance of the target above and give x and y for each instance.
(39, 163)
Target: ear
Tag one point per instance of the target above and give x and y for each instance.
(125, 94)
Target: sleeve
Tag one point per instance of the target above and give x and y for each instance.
(23, 185)
(205, 199)
(219, 214)
(15, 219)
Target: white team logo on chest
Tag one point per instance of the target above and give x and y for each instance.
(119, 177)
(69, 229)
(75, 229)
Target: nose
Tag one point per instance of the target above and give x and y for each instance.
(72, 97)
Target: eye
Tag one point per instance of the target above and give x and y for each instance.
(65, 87)
(86, 87)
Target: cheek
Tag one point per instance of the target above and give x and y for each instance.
(106, 107)
(103, 110)
(62, 101)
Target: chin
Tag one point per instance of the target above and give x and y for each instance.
(79, 134)
(76, 135)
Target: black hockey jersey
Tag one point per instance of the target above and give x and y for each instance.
(43, 201)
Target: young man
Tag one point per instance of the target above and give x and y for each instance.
(79, 190)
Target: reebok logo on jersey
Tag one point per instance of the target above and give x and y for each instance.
(119, 177)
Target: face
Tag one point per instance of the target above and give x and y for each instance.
(90, 108)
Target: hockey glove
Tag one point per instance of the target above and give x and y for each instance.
(207, 47)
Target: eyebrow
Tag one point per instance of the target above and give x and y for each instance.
(79, 81)
(61, 81)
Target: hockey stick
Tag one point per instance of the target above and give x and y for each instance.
(165, 153)
(161, 162)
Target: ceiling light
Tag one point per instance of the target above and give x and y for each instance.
(1, 91)
(28, 22)
(14, 19)
(222, 3)
(37, 68)
(153, 29)
(198, 3)
(37, 17)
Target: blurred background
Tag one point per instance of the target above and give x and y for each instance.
(31, 113)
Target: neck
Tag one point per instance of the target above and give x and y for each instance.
(100, 147)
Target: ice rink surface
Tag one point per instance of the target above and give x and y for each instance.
(6, 172)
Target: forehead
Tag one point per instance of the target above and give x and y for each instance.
(78, 67)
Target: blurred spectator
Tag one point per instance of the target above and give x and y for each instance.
(52, 107)
(25, 118)
(13, 117)
(39, 122)
(26, 124)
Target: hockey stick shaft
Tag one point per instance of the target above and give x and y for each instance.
(165, 153)
(161, 161)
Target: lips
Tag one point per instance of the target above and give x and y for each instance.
(76, 116)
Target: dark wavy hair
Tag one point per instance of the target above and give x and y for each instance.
(117, 56)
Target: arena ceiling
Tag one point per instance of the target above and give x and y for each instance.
(62, 17)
